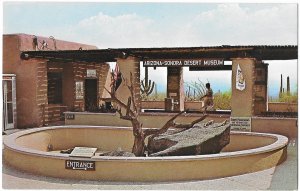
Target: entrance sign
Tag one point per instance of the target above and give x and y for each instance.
(183, 62)
(240, 80)
(83, 152)
(91, 73)
(80, 165)
(240, 123)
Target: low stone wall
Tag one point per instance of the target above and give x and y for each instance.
(282, 126)
(282, 107)
(149, 120)
(196, 105)
(153, 105)
(191, 105)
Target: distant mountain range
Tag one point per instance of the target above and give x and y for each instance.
(273, 90)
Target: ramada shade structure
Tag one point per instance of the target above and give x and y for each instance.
(225, 52)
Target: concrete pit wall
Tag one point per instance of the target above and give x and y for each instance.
(265, 151)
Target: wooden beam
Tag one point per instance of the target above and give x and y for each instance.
(224, 67)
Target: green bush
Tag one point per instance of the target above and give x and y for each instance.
(292, 98)
(285, 98)
(222, 100)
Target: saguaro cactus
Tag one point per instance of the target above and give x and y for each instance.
(147, 86)
(155, 90)
(288, 85)
(281, 88)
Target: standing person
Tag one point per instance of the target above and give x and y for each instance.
(208, 97)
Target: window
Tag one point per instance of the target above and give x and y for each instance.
(54, 88)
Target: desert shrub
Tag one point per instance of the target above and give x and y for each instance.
(194, 90)
(285, 97)
(222, 100)
(159, 96)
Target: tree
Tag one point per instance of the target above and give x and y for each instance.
(132, 114)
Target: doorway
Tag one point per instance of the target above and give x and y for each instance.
(9, 102)
(91, 95)
(54, 92)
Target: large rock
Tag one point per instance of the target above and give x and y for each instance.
(119, 152)
(202, 138)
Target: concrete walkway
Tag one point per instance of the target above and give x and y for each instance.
(282, 177)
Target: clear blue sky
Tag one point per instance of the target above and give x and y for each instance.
(116, 25)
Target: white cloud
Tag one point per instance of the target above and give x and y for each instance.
(128, 30)
(230, 24)
(233, 25)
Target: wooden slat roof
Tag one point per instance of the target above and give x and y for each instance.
(226, 52)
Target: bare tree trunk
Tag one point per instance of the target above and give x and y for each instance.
(138, 148)
(139, 134)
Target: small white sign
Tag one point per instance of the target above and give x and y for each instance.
(79, 90)
(240, 80)
(240, 123)
(91, 74)
(83, 152)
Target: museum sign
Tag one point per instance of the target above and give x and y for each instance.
(183, 62)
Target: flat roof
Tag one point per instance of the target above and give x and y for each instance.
(225, 52)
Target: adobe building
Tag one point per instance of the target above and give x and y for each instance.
(45, 88)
